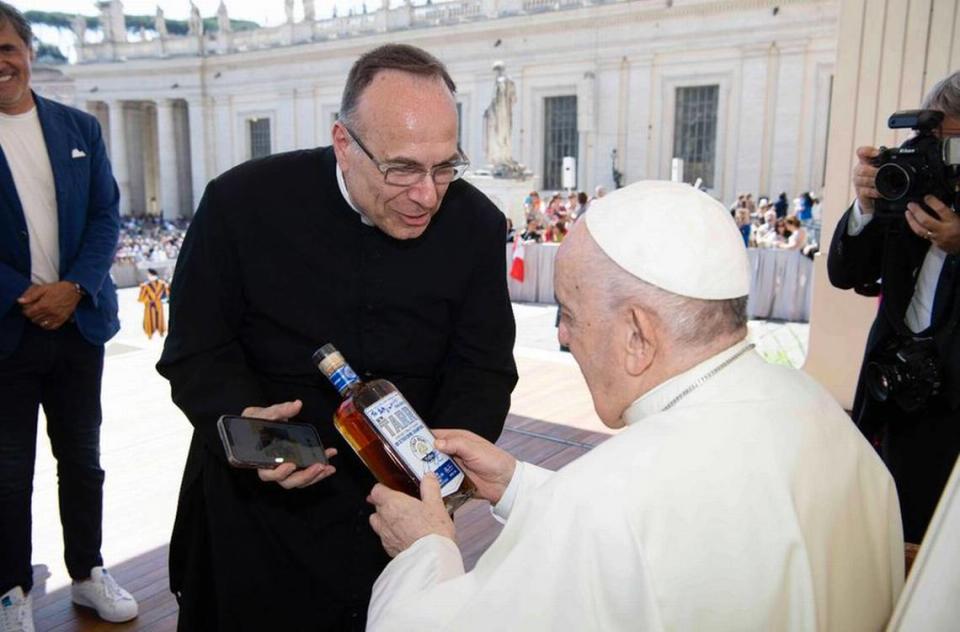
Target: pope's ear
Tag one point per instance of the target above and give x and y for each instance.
(642, 340)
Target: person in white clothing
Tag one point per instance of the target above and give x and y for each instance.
(719, 506)
(767, 232)
(798, 234)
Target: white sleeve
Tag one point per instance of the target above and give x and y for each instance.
(526, 477)
(566, 560)
(857, 220)
(429, 561)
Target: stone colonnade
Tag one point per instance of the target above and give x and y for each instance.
(157, 161)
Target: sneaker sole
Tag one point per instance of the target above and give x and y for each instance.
(81, 601)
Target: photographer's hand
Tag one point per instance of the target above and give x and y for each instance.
(943, 232)
(864, 178)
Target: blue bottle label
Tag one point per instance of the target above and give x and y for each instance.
(343, 377)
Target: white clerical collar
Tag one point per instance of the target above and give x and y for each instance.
(346, 196)
(662, 395)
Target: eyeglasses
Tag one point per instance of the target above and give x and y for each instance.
(407, 175)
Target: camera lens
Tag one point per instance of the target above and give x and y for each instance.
(892, 181)
(880, 381)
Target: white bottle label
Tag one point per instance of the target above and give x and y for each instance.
(397, 422)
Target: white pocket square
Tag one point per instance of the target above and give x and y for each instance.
(77, 153)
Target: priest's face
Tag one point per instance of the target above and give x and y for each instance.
(589, 327)
(403, 124)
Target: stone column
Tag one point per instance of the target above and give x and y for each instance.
(604, 119)
(168, 198)
(751, 168)
(284, 124)
(305, 131)
(785, 148)
(225, 156)
(382, 16)
(638, 158)
(197, 116)
(118, 153)
(587, 131)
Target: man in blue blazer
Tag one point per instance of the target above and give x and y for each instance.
(59, 224)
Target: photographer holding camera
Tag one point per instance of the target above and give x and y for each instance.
(901, 240)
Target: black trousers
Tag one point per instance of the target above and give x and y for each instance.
(920, 449)
(60, 371)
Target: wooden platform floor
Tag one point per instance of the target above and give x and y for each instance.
(143, 448)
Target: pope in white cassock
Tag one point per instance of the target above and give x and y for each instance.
(738, 496)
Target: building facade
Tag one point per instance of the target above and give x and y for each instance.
(740, 89)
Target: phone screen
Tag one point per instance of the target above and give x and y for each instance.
(253, 442)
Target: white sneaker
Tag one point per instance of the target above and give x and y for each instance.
(102, 593)
(16, 611)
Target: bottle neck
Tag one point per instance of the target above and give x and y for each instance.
(343, 379)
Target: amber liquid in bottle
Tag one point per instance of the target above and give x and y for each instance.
(388, 436)
(353, 427)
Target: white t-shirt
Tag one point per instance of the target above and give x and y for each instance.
(21, 139)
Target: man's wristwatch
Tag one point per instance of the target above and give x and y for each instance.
(79, 289)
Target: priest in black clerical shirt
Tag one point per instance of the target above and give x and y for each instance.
(374, 245)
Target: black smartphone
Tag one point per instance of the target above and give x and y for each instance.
(251, 442)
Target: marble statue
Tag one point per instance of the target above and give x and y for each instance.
(498, 119)
(160, 23)
(79, 26)
(223, 19)
(196, 22)
(106, 21)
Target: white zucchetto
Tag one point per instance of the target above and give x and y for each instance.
(673, 236)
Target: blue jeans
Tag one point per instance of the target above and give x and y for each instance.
(60, 371)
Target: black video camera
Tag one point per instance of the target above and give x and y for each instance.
(922, 165)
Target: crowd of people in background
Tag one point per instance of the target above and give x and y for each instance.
(150, 238)
(550, 222)
(770, 223)
(765, 223)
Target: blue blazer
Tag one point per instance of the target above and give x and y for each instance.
(89, 225)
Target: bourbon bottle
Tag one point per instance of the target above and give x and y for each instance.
(388, 435)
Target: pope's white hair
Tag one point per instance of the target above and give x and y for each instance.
(689, 321)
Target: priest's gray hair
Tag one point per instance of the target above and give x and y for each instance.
(402, 57)
(690, 321)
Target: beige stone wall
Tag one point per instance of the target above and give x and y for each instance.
(889, 53)
(622, 59)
